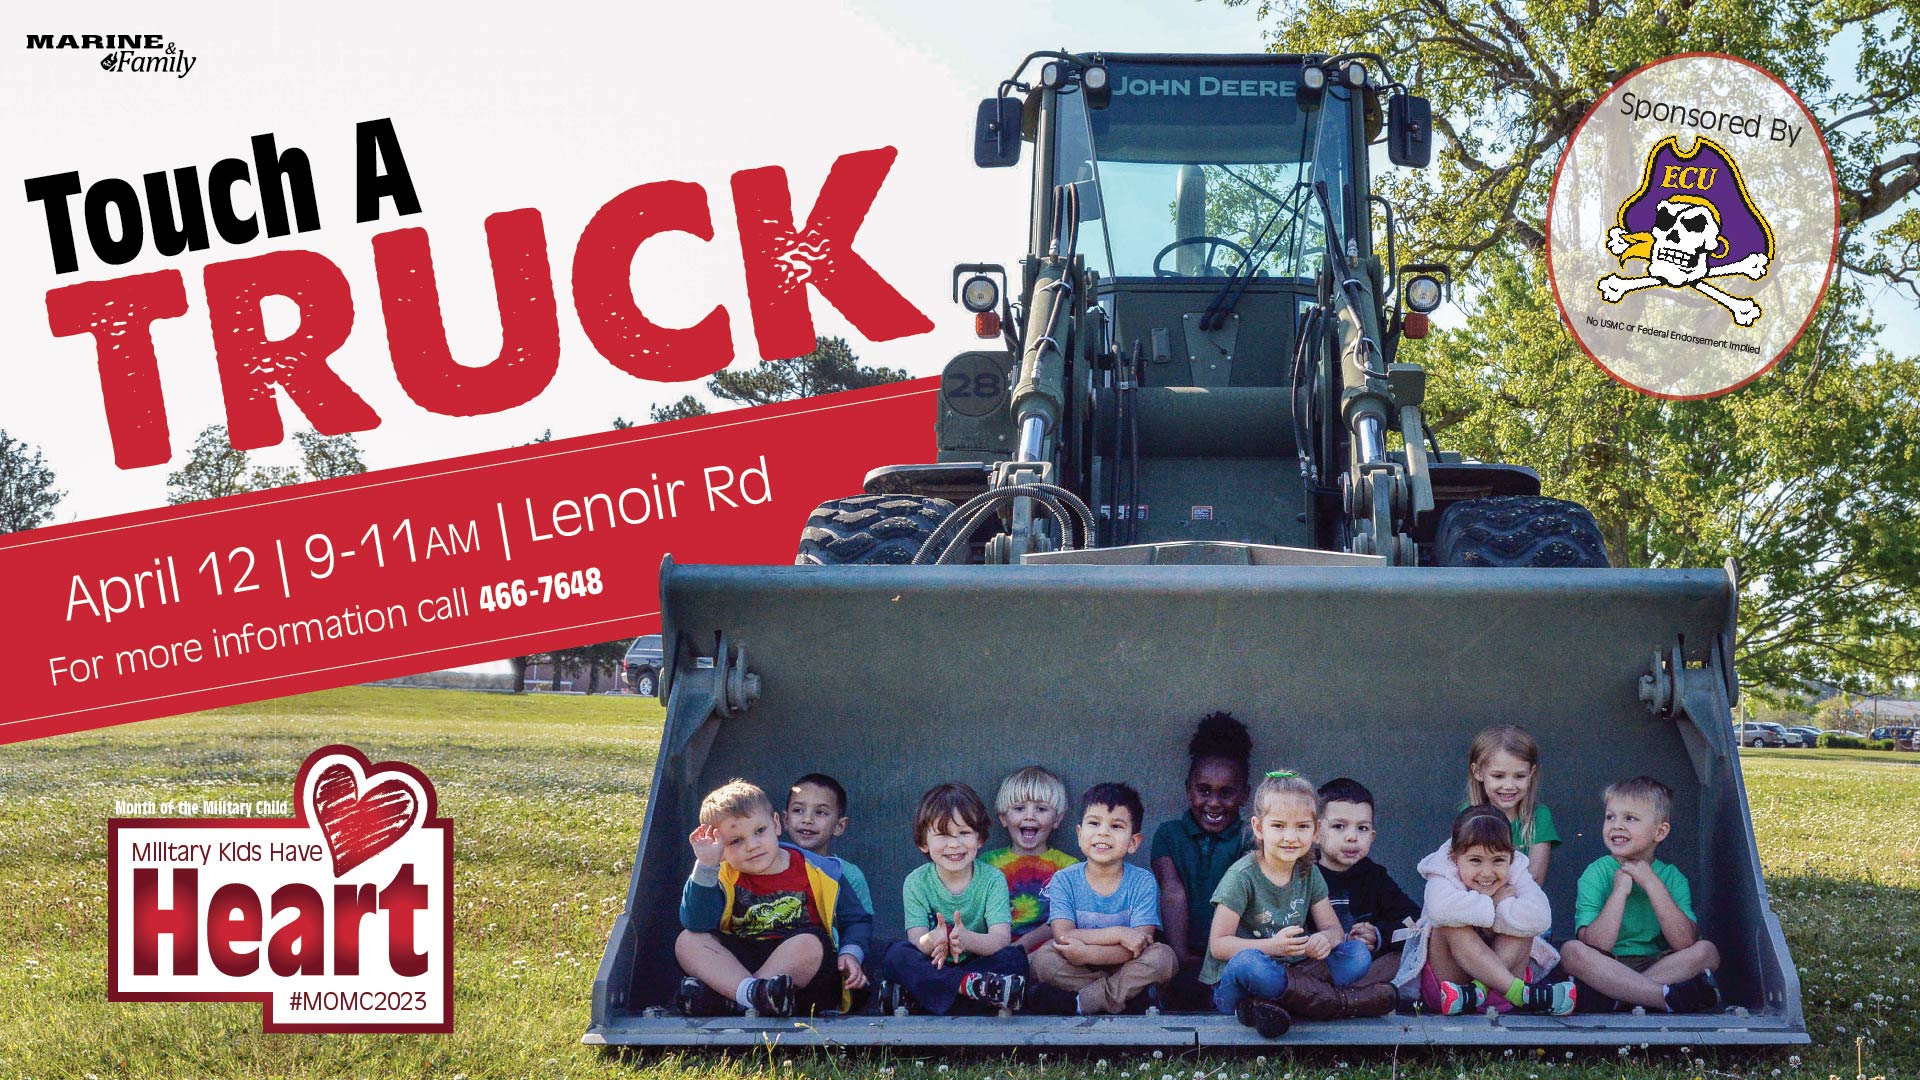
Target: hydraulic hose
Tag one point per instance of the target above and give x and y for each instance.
(952, 534)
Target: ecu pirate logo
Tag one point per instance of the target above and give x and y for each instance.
(1691, 220)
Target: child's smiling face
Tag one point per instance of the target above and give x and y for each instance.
(1482, 869)
(1030, 824)
(1284, 828)
(1633, 828)
(1506, 780)
(951, 845)
(814, 818)
(1108, 834)
(1216, 790)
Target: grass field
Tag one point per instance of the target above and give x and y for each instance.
(547, 795)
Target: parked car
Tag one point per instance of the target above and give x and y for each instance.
(1903, 737)
(1762, 733)
(1809, 736)
(640, 669)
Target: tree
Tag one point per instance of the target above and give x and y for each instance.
(830, 367)
(602, 659)
(1839, 712)
(1510, 82)
(680, 410)
(324, 458)
(1809, 476)
(215, 469)
(27, 494)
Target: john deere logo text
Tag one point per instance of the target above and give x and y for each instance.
(337, 919)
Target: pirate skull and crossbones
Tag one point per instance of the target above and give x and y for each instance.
(1685, 238)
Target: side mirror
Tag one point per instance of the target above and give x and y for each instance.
(1409, 131)
(996, 133)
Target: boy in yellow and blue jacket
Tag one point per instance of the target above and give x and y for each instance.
(768, 926)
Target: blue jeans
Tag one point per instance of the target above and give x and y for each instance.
(937, 990)
(1251, 973)
(1348, 961)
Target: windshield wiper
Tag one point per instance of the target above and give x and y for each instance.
(1235, 286)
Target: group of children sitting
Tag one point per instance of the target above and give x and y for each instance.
(1268, 917)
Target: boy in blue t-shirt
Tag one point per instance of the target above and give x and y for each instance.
(1104, 912)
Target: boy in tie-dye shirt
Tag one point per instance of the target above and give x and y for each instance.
(1031, 804)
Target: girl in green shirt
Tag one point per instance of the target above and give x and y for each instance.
(1503, 769)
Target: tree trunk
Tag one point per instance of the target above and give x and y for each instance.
(519, 674)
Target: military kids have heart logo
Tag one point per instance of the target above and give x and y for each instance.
(337, 919)
(1692, 226)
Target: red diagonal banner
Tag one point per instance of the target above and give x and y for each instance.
(431, 566)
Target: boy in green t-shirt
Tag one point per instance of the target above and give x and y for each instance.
(1636, 940)
(959, 917)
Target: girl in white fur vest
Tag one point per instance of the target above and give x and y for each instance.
(1478, 941)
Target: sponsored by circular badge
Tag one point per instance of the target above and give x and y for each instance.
(1692, 226)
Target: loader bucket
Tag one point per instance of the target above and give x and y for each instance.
(896, 678)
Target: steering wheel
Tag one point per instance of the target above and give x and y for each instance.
(1213, 243)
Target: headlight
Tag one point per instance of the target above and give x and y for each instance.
(979, 294)
(1313, 83)
(1423, 294)
(1053, 74)
(1356, 75)
(1094, 78)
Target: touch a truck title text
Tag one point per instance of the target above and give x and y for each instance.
(271, 194)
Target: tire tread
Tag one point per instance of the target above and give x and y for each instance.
(870, 529)
(1519, 531)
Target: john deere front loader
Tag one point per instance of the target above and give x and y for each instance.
(1189, 474)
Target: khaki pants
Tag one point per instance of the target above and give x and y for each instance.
(1105, 989)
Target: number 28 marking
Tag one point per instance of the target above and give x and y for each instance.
(986, 384)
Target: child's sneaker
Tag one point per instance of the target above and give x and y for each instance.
(1457, 998)
(894, 999)
(695, 999)
(1002, 991)
(1263, 1015)
(1552, 998)
(1697, 994)
(772, 997)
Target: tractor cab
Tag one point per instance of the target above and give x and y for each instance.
(1208, 256)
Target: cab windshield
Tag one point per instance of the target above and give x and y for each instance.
(1196, 168)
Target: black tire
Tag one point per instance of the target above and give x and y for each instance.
(870, 529)
(647, 683)
(1514, 530)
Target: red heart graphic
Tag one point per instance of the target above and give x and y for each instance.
(359, 825)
